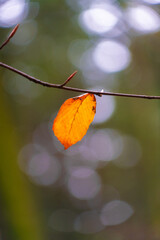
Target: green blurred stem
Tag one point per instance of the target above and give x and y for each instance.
(20, 213)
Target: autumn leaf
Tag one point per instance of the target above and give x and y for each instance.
(74, 118)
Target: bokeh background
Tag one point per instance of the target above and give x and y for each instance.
(108, 185)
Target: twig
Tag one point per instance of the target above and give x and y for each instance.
(61, 86)
(68, 79)
(10, 36)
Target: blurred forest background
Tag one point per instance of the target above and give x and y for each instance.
(108, 185)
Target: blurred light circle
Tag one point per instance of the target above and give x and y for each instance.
(40, 167)
(43, 136)
(111, 56)
(88, 222)
(62, 220)
(105, 108)
(77, 5)
(109, 145)
(152, 1)
(79, 155)
(84, 183)
(92, 75)
(26, 153)
(38, 164)
(131, 153)
(12, 12)
(44, 172)
(143, 19)
(116, 212)
(98, 19)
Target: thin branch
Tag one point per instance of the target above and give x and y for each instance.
(69, 78)
(52, 85)
(10, 36)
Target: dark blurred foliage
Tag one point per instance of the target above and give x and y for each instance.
(108, 185)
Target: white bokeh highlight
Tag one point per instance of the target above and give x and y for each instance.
(12, 12)
(42, 168)
(131, 153)
(83, 183)
(116, 212)
(109, 145)
(98, 19)
(152, 1)
(111, 56)
(105, 109)
(143, 19)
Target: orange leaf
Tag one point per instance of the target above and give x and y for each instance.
(74, 118)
